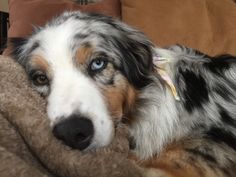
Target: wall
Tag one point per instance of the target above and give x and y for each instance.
(4, 5)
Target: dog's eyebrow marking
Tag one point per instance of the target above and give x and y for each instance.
(83, 53)
(34, 46)
(40, 63)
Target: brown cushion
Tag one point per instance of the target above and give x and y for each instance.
(207, 25)
(24, 14)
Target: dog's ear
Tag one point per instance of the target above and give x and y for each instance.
(15, 46)
(20, 49)
(137, 52)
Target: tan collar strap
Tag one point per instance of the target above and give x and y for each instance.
(161, 64)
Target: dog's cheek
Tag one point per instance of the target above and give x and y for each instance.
(120, 100)
(130, 100)
(115, 98)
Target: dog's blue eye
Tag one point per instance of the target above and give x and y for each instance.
(98, 64)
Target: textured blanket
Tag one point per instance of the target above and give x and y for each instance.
(28, 148)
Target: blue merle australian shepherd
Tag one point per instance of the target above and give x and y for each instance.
(179, 104)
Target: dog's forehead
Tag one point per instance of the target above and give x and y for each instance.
(69, 35)
(76, 30)
(60, 43)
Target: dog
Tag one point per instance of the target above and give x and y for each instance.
(178, 103)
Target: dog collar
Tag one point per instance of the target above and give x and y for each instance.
(161, 65)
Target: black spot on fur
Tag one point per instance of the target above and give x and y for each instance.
(224, 92)
(206, 156)
(195, 93)
(136, 61)
(222, 136)
(225, 117)
(220, 63)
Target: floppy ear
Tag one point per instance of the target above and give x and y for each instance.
(20, 49)
(136, 60)
(16, 47)
(135, 50)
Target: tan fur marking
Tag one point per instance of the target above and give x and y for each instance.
(120, 99)
(83, 53)
(40, 63)
(115, 99)
(131, 95)
(175, 162)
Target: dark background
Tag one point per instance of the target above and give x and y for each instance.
(4, 24)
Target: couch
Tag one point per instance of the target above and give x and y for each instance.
(206, 25)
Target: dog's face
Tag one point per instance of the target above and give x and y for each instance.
(89, 68)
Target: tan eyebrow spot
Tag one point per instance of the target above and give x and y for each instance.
(83, 53)
(40, 63)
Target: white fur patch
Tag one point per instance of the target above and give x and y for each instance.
(156, 122)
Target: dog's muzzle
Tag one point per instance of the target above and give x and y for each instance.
(75, 131)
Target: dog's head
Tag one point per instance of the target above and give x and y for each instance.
(90, 69)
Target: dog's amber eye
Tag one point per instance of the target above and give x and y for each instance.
(98, 64)
(40, 79)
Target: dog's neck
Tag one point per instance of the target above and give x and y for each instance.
(159, 109)
(156, 120)
(160, 118)
(156, 115)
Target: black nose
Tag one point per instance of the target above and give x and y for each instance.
(76, 131)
